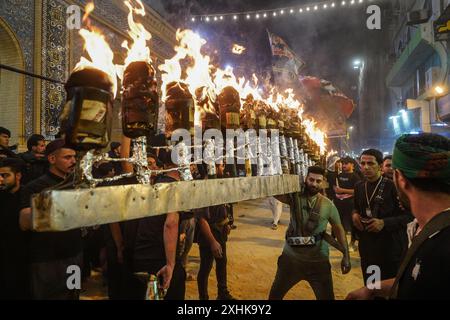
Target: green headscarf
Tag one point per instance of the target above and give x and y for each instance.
(416, 160)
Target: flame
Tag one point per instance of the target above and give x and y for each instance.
(88, 10)
(317, 135)
(139, 51)
(199, 73)
(237, 49)
(98, 50)
(197, 76)
(206, 81)
(225, 78)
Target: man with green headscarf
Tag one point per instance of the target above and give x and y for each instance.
(422, 178)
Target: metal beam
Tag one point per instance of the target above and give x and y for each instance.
(70, 209)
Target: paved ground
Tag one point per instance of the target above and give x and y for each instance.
(253, 249)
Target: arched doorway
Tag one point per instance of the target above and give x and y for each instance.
(11, 85)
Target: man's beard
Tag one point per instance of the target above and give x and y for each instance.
(311, 191)
(402, 197)
(404, 200)
(6, 187)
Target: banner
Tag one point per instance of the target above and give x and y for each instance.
(285, 58)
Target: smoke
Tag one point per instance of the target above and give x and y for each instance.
(327, 41)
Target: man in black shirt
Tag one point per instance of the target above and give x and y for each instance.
(344, 190)
(35, 159)
(213, 234)
(6, 151)
(14, 243)
(387, 170)
(422, 176)
(151, 243)
(378, 218)
(51, 253)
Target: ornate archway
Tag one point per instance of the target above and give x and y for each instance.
(12, 85)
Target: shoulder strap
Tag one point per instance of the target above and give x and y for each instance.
(438, 223)
(379, 197)
(313, 218)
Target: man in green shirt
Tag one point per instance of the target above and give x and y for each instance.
(305, 254)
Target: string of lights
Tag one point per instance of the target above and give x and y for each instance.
(278, 12)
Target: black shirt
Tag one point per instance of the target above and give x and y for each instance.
(14, 250)
(390, 243)
(215, 216)
(331, 179)
(35, 167)
(427, 275)
(347, 181)
(149, 239)
(48, 246)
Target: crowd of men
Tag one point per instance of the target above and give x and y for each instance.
(386, 205)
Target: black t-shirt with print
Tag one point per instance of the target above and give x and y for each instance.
(49, 246)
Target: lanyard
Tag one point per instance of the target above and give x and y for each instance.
(312, 203)
(373, 193)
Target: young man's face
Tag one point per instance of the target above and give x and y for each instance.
(369, 166)
(39, 148)
(8, 179)
(347, 166)
(4, 140)
(387, 168)
(63, 160)
(314, 183)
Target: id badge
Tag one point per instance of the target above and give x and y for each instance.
(369, 213)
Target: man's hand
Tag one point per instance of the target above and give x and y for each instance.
(338, 190)
(345, 264)
(356, 218)
(216, 249)
(227, 229)
(166, 273)
(360, 294)
(375, 225)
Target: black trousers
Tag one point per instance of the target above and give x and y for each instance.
(290, 272)
(206, 262)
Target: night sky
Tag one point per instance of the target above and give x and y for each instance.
(328, 41)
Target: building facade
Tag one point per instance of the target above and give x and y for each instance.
(34, 37)
(419, 68)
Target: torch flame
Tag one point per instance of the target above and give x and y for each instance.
(98, 50)
(206, 81)
(139, 51)
(88, 10)
(317, 135)
(237, 49)
(197, 75)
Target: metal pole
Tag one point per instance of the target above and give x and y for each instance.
(30, 74)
